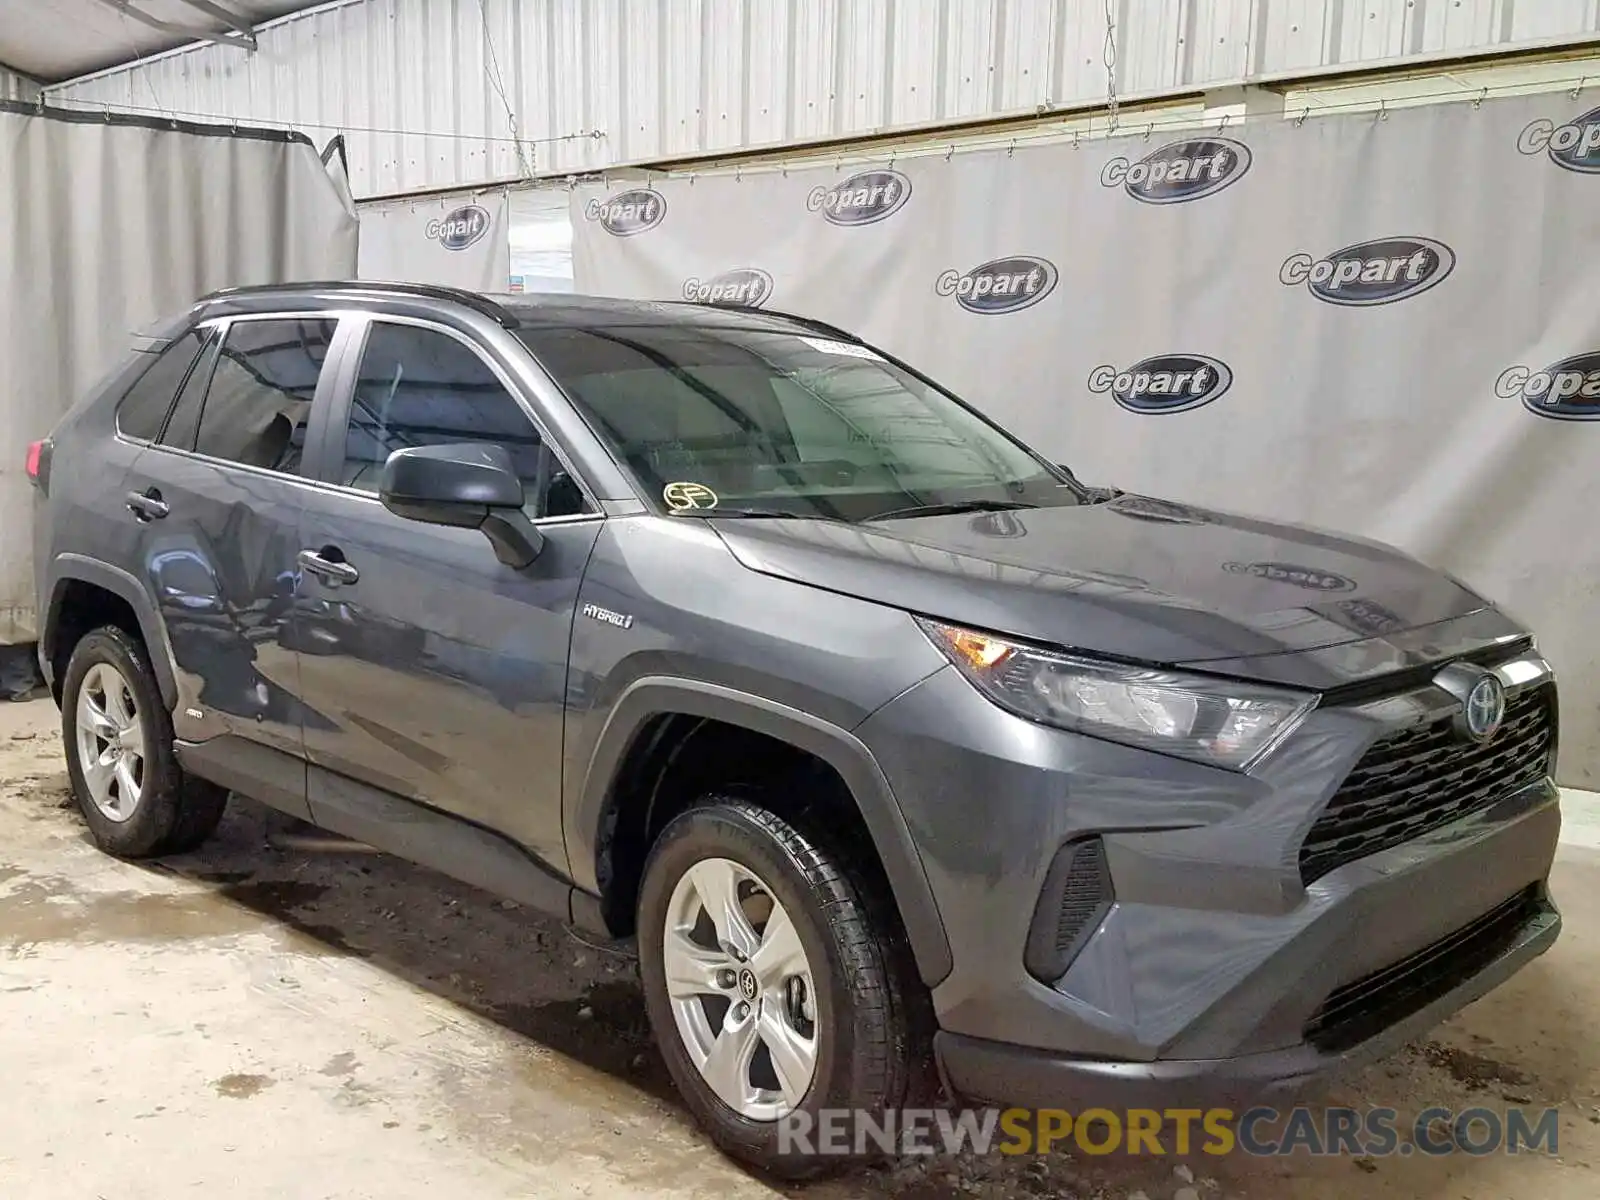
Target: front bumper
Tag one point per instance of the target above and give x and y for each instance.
(1000, 1073)
(1213, 960)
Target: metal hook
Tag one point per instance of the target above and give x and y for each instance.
(1483, 95)
(950, 153)
(1147, 130)
(1012, 152)
(837, 163)
(738, 172)
(1077, 136)
(1582, 79)
(1383, 110)
(1301, 119)
(1224, 123)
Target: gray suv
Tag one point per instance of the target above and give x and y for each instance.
(903, 756)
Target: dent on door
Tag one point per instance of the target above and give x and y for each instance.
(221, 570)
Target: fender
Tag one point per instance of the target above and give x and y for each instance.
(70, 568)
(652, 696)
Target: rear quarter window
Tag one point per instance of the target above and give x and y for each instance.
(143, 410)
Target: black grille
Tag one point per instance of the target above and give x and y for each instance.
(1359, 1010)
(1076, 897)
(1421, 778)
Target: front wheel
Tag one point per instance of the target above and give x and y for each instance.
(775, 981)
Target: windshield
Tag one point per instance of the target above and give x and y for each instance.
(715, 419)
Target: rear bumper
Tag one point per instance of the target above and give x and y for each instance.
(998, 1073)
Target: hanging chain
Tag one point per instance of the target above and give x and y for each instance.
(1110, 57)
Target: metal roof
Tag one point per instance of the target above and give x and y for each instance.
(54, 40)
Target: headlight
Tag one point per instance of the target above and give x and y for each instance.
(1218, 721)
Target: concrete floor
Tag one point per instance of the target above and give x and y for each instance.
(266, 1019)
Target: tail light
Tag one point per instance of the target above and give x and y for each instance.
(38, 463)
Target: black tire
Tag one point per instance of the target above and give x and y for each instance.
(872, 1037)
(175, 812)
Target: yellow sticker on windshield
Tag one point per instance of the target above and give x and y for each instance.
(681, 496)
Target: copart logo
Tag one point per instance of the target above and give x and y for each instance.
(865, 197)
(459, 229)
(1167, 383)
(1001, 285)
(1575, 145)
(748, 287)
(1369, 273)
(1180, 171)
(628, 213)
(1565, 391)
(1291, 573)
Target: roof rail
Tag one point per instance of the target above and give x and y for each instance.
(429, 291)
(756, 311)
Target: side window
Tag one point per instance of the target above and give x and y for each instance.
(185, 419)
(144, 408)
(259, 398)
(420, 387)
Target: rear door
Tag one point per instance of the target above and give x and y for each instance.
(430, 669)
(216, 500)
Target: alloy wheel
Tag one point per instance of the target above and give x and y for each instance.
(741, 989)
(111, 742)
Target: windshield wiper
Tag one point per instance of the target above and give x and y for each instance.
(958, 506)
(757, 513)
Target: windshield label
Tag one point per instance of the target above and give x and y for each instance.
(684, 494)
(845, 349)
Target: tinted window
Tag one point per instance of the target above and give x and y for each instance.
(780, 420)
(145, 406)
(185, 418)
(420, 387)
(259, 399)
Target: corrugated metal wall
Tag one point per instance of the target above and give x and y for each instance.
(16, 87)
(424, 89)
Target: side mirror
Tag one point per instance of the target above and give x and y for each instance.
(466, 486)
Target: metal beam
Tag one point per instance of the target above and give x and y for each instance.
(231, 19)
(245, 40)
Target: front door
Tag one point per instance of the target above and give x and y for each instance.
(217, 501)
(430, 669)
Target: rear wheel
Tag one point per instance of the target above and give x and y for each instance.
(776, 983)
(135, 798)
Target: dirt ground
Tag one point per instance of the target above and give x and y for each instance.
(268, 1018)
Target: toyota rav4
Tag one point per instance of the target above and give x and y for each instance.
(901, 755)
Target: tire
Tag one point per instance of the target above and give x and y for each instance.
(165, 811)
(866, 1005)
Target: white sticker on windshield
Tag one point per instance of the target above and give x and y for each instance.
(846, 349)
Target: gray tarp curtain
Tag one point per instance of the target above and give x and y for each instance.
(453, 241)
(1384, 324)
(109, 223)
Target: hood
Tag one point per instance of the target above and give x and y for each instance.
(1134, 578)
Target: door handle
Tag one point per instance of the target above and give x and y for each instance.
(329, 570)
(148, 504)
